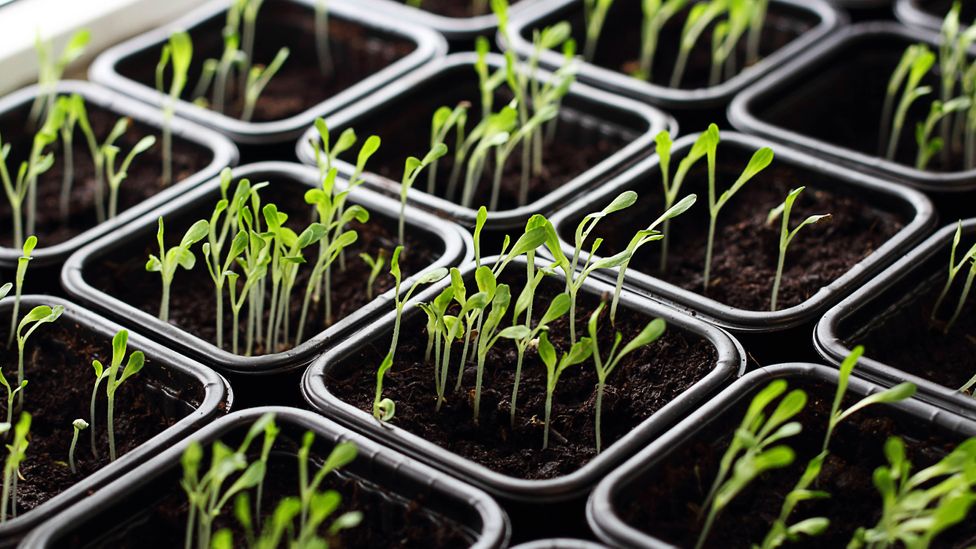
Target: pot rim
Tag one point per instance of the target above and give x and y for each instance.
(908, 13)
(453, 28)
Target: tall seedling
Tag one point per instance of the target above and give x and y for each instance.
(787, 235)
(179, 50)
(168, 261)
(577, 354)
(19, 277)
(114, 380)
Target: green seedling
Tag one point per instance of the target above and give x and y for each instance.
(23, 187)
(928, 146)
(918, 60)
(257, 79)
(51, 69)
(168, 261)
(37, 317)
(72, 107)
(756, 23)
(954, 269)
(490, 333)
(604, 367)
(596, 16)
(656, 14)
(557, 309)
(726, 37)
(98, 153)
(341, 455)
(411, 170)
(673, 187)
(751, 451)
(445, 119)
(222, 221)
(322, 45)
(179, 52)
(375, 268)
(117, 176)
(700, 17)
(16, 454)
(787, 235)
(19, 277)
(11, 394)
(77, 425)
(954, 42)
(132, 367)
(578, 353)
(249, 15)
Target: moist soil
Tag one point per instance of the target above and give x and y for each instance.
(357, 52)
(906, 338)
(60, 381)
(621, 41)
(144, 178)
(453, 8)
(812, 107)
(746, 247)
(665, 501)
(122, 273)
(642, 384)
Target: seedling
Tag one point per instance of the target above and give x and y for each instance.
(596, 16)
(16, 454)
(954, 268)
(411, 170)
(78, 425)
(375, 268)
(72, 107)
(673, 188)
(132, 367)
(558, 308)
(257, 79)
(953, 47)
(726, 37)
(914, 65)
(759, 161)
(751, 451)
(19, 277)
(98, 154)
(489, 334)
(168, 261)
(916, 508)
(756, 24)
(927, 145)
(23, 186)
(787, 235)
(11, 394)
(656, 14)
(577, 354)
(651, 333)
(217, 234)
(445, 119)
(116, 177)
(179, 50)
(50, 70)
(37, 317)
(322, 46)
(700, 18)
(341, 455)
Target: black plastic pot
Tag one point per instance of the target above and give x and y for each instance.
(803, 23)
(48, 259)
(509, 489)
(914, 281)
(459, 31)
(182, 390)
(385, 476)
(401, 114)
(863, 55)
(910, 208)
(927, 14)
(387, 47)
(910, 419)
(447, 240)
(560, 543)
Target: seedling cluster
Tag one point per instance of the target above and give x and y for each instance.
(233, 485)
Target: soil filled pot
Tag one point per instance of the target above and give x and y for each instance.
(198, 155)
(164, 402)
(798, 105)
(653, 499)
(792, 26)
(598, 134)
(872, 224)
(368, 50)
(650, 390)
(111, 275)
(404, 503)
(892, 317)
(928, 14)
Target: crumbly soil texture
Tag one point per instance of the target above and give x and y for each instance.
(905, 337)
(144, 179)
(620, 43)
(60, 378)
(357, 52)
(642, 384)
(666, 500)
(747, 247)
(453, 8)
(122, 272)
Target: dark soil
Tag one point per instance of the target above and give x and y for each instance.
(746, 247)
(453, 8)
(122, 273)
(643, 383)
(358, 52)
(853, 120)
(620, 42)
(389, 520)
(58, 368)
(665, 501)
(144, 178)
(904, 337)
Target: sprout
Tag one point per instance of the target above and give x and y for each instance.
(596, 16)
(411, 171)
(558, 308)
(953, 46)
(756, 23)
(915, 64)
(342, 454)
(115, 178)
(179, 50)
(11, 393)
(927, 145)
(656, 14)
(217, 233)
(50, 70)
(916, 508)
(249, 10)
(19, 277)
(489, 334)
(322, 49)
(725, 39)
(24, 186)
(167, 262)
(700, 17)
(132, 367)
(37, 317)
(375, 267)
(78, 425)
(254, 265)
(73, 107)
(454, 327)
(786, 234)
(750, 453)
(578, 353)
(98, 153)
(651, 333)
(954, 268)
(759, 161)
(673, 188)
(16, 453)
(445, 119)
(257, 79)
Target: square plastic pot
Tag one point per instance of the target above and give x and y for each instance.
(459, 31)
(198, 204)
(804, 23)
(867, 311)
(48, 259)
(858, 56)
(183, 389)
(603, 513)
(378, 48)
(130, 503)
(509, 489)
(401, 115)
(912, 207)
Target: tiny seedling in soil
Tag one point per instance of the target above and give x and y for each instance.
(914, 65)
(11, 394)
(19, 278)
(954, 268)
(77, 426)
(23, 186)
(113, 380)
(376, 265)
(16, 454)
(577, 354)
(178, 52)
(37, 317)
(787, 235)
(168, 261)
